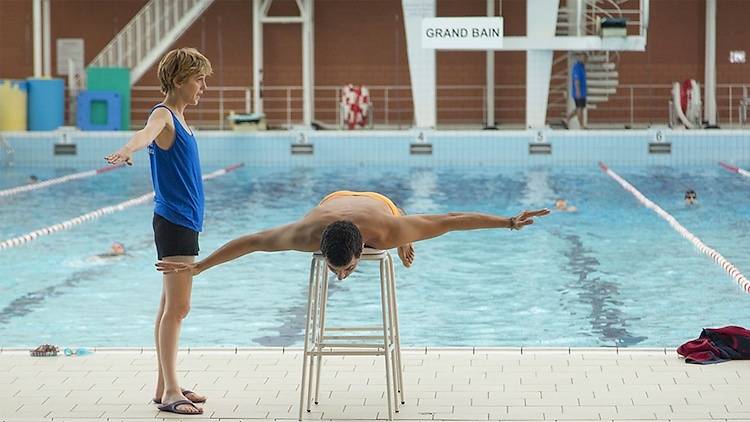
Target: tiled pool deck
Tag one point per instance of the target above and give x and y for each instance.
(441, 384)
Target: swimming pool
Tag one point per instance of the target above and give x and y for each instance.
(612, 274)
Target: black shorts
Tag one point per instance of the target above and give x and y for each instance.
(174, 240)
(580, 102)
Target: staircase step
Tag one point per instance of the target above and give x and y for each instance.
(602, 83)
(598, 58)
(596, 99)
(600, 66)
(601, 91)
(610, 74)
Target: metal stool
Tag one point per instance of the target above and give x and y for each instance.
(351, 341)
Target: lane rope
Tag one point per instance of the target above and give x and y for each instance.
(58, 180)
(28, 237)
(733, 271)
(735, 169)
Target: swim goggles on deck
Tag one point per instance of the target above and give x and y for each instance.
(81, 351)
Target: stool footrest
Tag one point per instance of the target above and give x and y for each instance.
(346, 353)
(353, 345)
(325, 337)
(375, 328)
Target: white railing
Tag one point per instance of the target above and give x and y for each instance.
(392, 106)
(632, 105)
(641, 104)
(156, 25)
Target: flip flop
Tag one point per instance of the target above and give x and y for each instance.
(184, 393)
(172, 408)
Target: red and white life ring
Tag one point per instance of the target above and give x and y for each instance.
(355, 102)
(686, 98)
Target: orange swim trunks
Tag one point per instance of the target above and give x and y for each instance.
(373, 195)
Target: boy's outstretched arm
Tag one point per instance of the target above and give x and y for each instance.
(142, 138)
(412, 228)
(291, 237)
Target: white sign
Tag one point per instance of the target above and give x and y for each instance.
(69, 48)
(475, 33)
(737, 56)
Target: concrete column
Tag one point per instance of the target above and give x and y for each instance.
(709, 109)
(490, 97)
(312, 59)
(306, 11)
(46, 37)
(421, 62)
(541, 20)
(257, 56)
(37, 19)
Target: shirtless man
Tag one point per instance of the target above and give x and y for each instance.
(343, 223)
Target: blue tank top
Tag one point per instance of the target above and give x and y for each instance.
(176, 175)
(579, 74)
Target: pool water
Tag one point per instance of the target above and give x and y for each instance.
(611, 274)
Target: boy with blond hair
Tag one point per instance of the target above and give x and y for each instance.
(178, 208)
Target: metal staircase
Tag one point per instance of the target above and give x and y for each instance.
(149, 34)
(601, 66)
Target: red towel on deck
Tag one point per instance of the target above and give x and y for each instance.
(717, 345)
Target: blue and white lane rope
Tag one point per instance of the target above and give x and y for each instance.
(733, 271)
(58, 180)
(28, 237)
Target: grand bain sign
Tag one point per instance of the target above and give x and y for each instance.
(465, 33)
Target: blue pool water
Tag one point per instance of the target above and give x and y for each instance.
(611, 274)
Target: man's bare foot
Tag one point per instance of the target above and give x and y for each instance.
(406, 253)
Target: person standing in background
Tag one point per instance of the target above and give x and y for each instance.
(578, 90)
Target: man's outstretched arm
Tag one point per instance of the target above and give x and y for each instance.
(290, 237)
(412, 228)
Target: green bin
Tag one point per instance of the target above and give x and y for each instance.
(110, 79)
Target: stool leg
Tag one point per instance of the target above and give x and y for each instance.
(391, 333)
(399, 373)
(386, 279)
(395, 362)
(313, 277)
(386, 353)
(323, 302)
(322, 275)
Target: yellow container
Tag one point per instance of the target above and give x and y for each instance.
(13, 100)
